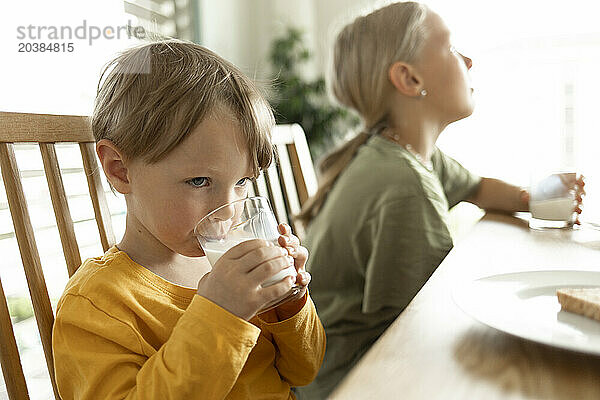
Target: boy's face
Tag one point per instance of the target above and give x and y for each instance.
(211, 167)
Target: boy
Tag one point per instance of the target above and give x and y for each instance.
(179, 132)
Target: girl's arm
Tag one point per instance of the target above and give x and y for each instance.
(496, 195)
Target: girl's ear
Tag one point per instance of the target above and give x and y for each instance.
(113, 164)
(405, 79)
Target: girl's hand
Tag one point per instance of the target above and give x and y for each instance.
(235, 281)
(300, 254)
(578, 185)
(579, 193)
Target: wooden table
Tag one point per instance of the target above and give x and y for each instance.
(435, 351)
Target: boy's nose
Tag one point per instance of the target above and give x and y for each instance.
(224, 213)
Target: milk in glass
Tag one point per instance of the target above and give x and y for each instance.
(215, 250)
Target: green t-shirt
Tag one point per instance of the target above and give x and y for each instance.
(379, 236)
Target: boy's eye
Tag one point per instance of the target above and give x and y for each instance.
(198, 181)
(243, 182)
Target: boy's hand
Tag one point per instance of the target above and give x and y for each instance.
(300, 255)
(235, 281)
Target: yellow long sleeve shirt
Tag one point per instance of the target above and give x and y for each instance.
(122, 332)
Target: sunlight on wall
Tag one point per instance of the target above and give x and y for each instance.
(536, 84)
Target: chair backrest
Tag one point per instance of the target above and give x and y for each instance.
(288, 183)
(46, 130)
(291, 180)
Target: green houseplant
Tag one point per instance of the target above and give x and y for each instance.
(298, 100)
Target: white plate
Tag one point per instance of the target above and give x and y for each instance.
(524, 304)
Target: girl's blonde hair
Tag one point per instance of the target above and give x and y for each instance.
(155, 94)
(363, 52)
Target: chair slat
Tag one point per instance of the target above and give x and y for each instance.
(300, 182)
(29, 253)
(287, 180)
(107, 236)
(22, 127)
(304, 174)
(286, 177)
(276, 195)
(61, 207)
(9, 355)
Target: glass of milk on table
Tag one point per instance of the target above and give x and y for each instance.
(552, 200)
(239, 221)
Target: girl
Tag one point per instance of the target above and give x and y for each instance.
(378, 223)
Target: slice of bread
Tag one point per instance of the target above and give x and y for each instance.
(584, 301)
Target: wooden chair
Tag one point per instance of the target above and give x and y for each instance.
(45, 130)
(291, 179)
(288, 183)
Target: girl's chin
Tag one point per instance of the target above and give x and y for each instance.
(466, 113)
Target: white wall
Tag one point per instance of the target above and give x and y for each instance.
(242, 30)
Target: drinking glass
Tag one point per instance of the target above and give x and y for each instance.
(552, 200)
(241, 220)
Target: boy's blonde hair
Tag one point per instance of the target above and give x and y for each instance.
(155, 94)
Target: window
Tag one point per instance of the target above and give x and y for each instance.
(62, 83)
(167, 18)
(536, 82)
